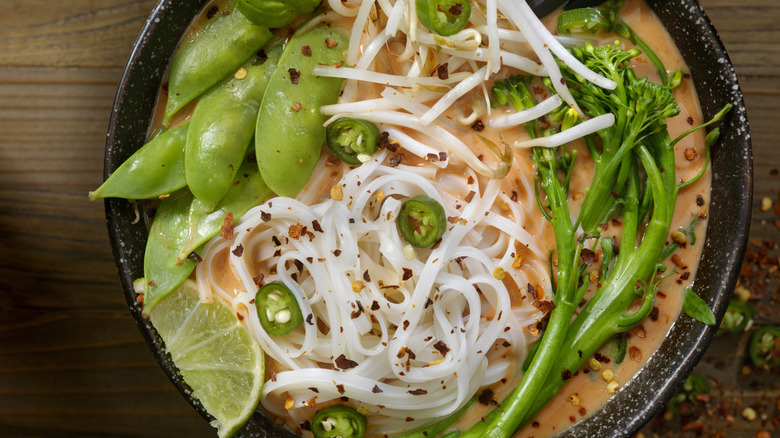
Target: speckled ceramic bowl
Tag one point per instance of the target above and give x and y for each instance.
(730, 210)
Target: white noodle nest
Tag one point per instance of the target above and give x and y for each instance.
(446, 295)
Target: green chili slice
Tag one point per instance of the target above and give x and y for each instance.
(737, 317)
(445, 17)
(338, 421)
(277, 309)
(421, 221)
(583, 20)
(352, 139)
(764, 347)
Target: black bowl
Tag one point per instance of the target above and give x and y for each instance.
(729, 220)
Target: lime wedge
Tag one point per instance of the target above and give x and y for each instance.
(214, 353)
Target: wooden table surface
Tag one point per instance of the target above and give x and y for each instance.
(72, 362)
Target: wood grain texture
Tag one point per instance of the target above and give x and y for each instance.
(72, 362)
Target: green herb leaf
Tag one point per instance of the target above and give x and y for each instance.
(696, 308)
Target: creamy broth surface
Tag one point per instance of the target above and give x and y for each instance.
(586, 391)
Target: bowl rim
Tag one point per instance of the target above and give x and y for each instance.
(622, 414)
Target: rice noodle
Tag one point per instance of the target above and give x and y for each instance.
(448, 294)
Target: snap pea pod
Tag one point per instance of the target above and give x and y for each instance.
(221, 129)
(289, 134)
(225, 44)
(181, 225)
(156, 169)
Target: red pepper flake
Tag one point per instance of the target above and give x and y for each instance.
(375, 305)
(478, 126)
(212, 12)
(566, 374)
(259, 279)
(428, 302)
(309, 319)
(338, 64)
(635, 354)
(238, 251)
(276, 241)
(306, 51)
(395, 160)
(315, 225)
(418, 391)
(443, 72)
(535, 424)
(139, 298)
(331, 43)
(470, 196)
(366, 277)
(264, 216)
(456, 9)
(406, 324)
(195, 257)
(336, 252)
(376, 389)
(690, 120)
(486, 397)
(227, 226)
(305, 425)
(654, 314)
(295, 75)
(442, 156)
(296, 107)
(343, 363)
(442, 348)
(588, 256)
(432, 158)
(409, 419)
(678, 262)
(582, 411)
(340, 388)
(407, 274)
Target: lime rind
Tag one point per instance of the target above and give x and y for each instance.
(215, 354)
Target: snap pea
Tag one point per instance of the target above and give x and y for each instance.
(181, 225)
(221, 128)
(289, 133)
(156, 169)
(271, 13)
(225, 44)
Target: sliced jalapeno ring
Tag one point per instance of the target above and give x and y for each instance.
(583, 20)
(277, 309)
(764, 348)
(738, 315)
(352, 140)
(421, 221)
(445, 17)
(338, 421)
